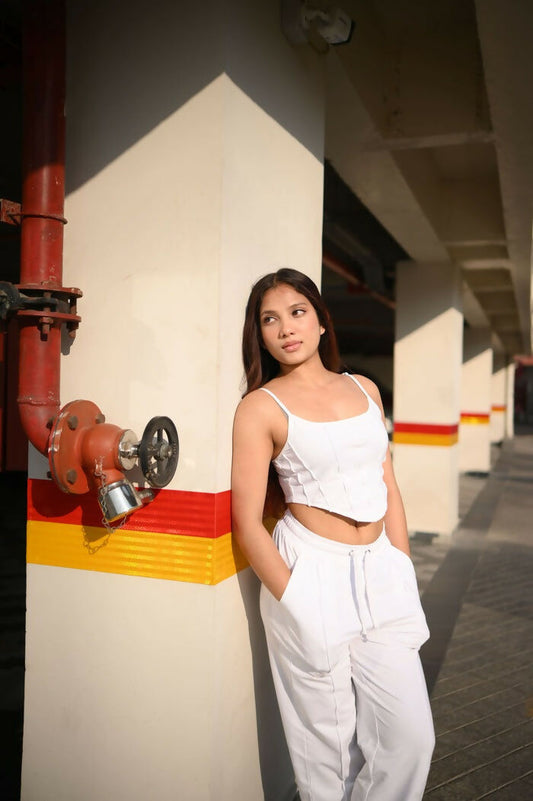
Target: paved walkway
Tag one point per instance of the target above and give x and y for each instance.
(477, 590)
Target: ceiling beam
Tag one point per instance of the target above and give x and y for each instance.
(430, 141)
(505, 36)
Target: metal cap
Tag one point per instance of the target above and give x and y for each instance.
(118, 499)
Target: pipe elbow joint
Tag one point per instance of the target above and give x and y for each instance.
(84, 456)
(37, 421)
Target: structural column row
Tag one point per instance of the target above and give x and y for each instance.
(453, 396)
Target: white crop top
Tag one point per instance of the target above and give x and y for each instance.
(336, 465)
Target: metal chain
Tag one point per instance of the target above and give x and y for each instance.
(99, 473)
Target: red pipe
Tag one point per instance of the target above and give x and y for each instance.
(42, 211)
(341, 269)
(83, 451)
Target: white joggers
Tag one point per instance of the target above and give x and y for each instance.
(343, 645)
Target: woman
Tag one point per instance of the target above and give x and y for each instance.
(339, 599)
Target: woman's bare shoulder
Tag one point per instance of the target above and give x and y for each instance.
(255, 404)
(369, 386)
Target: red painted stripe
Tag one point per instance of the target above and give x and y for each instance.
(425, 428)
(196, 514)
(483, 415)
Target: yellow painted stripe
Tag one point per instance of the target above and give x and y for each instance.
(201, 560)
(415, 438)
(473, 419)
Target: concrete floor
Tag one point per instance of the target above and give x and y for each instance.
(477, 590)
(479, 603)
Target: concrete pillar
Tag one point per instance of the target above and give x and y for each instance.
(499, 398)
(427, 385)
(195, 165)
(509, 411)
(474, 428)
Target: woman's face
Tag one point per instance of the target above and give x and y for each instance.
(289, 326)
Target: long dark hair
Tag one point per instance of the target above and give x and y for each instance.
(259, 365)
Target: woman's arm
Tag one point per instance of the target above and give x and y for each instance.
(395, 521)
(252, 452)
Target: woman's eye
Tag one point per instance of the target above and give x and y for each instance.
(298, 312)
(267, 320)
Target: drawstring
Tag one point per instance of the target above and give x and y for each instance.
(361, 595)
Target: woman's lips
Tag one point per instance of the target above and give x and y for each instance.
(290, 346)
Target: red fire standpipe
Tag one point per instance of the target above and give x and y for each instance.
(42, 224)
(42, 213)
(42, 259)
(84, 452)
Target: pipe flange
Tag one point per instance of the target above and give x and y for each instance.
(64, 452)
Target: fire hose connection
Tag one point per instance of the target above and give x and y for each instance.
(87, 454)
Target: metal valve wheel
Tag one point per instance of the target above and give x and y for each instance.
(159, 451)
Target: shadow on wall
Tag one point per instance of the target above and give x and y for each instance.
(276, 770)
(476, 342)
(130, 67)
(47, 502)
(439, 293)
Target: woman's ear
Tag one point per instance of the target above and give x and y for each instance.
(322, 330)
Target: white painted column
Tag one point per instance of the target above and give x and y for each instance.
(474, 429)
(195, 165)
(509, 411)
(427, 385)
(499, 398)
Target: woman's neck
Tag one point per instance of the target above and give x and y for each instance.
(311, 372)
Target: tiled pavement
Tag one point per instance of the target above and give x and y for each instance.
(477, 589)
(479, 603)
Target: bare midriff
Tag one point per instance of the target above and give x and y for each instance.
(336, 527)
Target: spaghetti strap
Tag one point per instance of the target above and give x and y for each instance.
(361, 387)
(280, 404)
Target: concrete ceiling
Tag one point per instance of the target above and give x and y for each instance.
(430, 123)
(429, 139)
